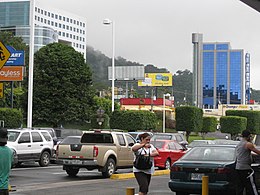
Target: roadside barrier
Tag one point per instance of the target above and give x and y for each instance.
(205, 185)
(130, 191)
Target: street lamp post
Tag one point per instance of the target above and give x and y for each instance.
(108, 22)
(164, 95)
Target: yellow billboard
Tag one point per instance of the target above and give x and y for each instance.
(156, 79)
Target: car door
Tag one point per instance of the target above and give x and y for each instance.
(24, 146)
(179, 151)
(130, 143)
(37, 144)
(122, 151)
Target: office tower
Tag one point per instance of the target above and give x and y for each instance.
(218, 73)
(51, 25)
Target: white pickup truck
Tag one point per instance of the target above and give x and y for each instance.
(97, 149)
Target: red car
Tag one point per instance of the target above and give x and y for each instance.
(169, 152)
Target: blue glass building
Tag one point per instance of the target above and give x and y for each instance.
(218, 74)
(51, 25)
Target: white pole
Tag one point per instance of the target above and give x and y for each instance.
(30, 82)
(113, 65)
(163, 113)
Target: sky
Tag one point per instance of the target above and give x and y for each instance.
(159, 32)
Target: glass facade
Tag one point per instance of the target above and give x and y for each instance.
(43, 35)
(14, 13)
(235, 77)
(222, 75)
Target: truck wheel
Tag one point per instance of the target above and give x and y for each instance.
(109, 168)
(72, 172)
(44, 159)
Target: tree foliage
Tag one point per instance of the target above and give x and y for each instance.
(209, 125)
(133, 120)
(189, 119)
(62, 86)
(232, 124)
(253, 118)
(105, 104)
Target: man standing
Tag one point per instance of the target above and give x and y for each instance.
(243, 165)
(6, 157)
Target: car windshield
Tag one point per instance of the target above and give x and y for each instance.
(71, 140)
(12, 136)
(166, 137)
(210, 154)
(157, 144)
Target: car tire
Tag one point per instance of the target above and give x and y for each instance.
(168, 164)
(44, 159)
(72, 172)
(109, 168)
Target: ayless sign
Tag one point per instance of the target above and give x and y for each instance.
(11, 73)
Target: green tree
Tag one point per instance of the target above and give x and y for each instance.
(62, 86)
(105, 104)
(189, 119)
(233, 125)
(209, 125)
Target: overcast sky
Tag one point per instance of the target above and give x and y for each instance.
(159, 32)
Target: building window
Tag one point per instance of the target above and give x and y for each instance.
(60, 18)
(80, 23)
(68, 20)
(82, 46)
(59, 25)
(70, 28)
(64, 19)
(52, 15)
(80, 31)
(35, 17)
(83, 24)
(36, 9)
(77, 22)
(45, 13)
(44, 21)
(59, 33)
(74, 29)
(49, 14)
(49, 22)
(56, 16)
(41, 11)
(67, 34)
(63, 26)
(71, 36)
(74, 21)
(67, 27)
(41, 19)
(63, 34)
(74, 36)
(83, 32)
(56, 24)
(71, 20)
(52, 23)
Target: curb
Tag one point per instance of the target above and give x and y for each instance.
(131, 175)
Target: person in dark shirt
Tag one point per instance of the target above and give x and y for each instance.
(245, 179)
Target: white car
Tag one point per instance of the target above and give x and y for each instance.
(31, 145)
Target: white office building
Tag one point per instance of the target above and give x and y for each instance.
(51, 25)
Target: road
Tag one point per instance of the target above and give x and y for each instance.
(52, 180)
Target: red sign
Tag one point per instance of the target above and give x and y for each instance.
(11, 73)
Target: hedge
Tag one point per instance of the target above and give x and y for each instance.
(232, 124)
(12, 118)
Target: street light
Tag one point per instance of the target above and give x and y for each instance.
(164, 95)
(108, 22)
